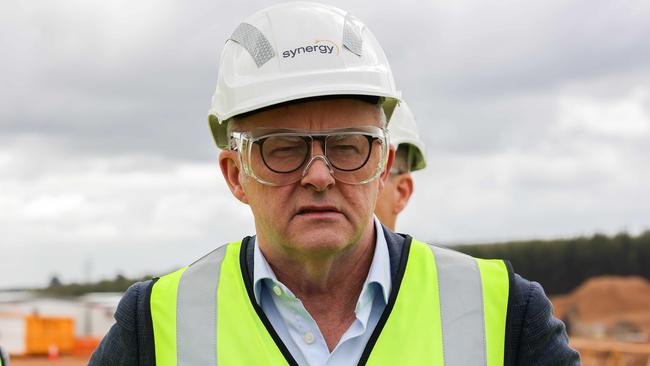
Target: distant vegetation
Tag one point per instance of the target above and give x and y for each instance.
(559, 265)
(118, 284)
(562, 265)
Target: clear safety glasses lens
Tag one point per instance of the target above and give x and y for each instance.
(354, 156)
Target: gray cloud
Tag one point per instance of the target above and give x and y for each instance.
(536, 117)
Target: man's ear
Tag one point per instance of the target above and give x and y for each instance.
(404, 189)
(389, 164)
(230, 168)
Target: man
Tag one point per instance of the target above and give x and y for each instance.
(4, 360)
(303, 97)
(408, 158)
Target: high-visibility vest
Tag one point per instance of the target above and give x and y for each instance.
(445, 308)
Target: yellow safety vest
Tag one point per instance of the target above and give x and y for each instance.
(445, 308)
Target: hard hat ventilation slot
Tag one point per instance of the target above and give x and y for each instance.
(352, 36)
(254, 42)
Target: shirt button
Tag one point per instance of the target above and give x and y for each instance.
(277, 290)
(308, 338)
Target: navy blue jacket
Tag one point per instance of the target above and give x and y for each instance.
(533, 335)
(3, 358)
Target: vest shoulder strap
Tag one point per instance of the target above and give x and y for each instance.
(450, 306)
(193, 306)
(474, 295)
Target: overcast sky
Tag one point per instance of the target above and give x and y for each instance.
(536, 116)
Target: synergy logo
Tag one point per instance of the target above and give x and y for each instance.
(324, 46)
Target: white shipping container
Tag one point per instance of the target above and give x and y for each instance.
(12, 334)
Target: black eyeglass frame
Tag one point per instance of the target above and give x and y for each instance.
(309, 141)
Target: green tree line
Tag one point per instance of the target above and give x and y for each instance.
(559, 265)
(118, 284)
(562, 265)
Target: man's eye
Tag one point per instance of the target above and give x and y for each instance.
(286, 149)
(343, 149)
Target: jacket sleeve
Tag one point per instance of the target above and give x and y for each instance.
(542, 339)
(120, 346)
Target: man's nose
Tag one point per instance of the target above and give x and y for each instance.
(318, 173)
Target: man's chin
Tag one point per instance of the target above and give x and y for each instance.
(321, 240)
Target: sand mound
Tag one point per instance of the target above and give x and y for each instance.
(611, 301)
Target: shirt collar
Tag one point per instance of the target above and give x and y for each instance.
(379, 272)
(261, 271)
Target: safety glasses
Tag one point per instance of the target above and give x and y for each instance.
(281, 157)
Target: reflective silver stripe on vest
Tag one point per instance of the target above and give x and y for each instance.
(196, 311)
(254, 42)
(461, 308)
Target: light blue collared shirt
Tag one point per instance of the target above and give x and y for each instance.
(297, 328)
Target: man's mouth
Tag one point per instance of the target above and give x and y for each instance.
(317, 210)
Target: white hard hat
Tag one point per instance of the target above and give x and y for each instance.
(298, 50)
(404, 131)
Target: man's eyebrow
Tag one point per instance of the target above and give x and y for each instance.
(271, 130)
(262, 131)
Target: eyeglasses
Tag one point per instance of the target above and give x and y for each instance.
(281, 157)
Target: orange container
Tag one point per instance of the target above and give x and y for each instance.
(44, 333)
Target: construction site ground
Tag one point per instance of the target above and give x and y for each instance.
(607, 307)
(608, 319)
(44, 361)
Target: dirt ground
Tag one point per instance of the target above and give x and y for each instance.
(43, 361)
(608, 306)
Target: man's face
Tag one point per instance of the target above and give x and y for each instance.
(317, 215)
(397, 190)
(386, 202)
(393, 198)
